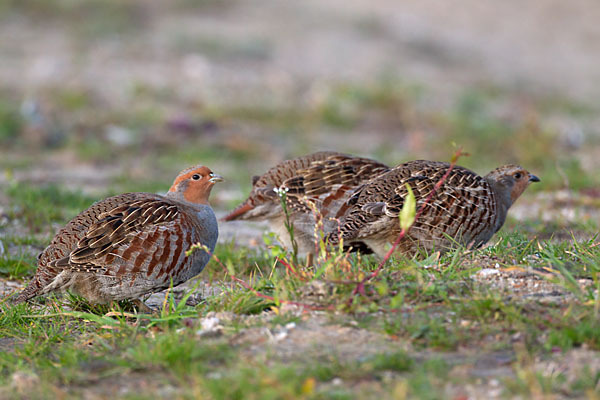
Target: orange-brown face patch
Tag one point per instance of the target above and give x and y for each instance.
(187, 174)
(194, 190)
(520, 185)
(198, 191)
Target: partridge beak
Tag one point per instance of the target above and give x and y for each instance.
(214, 178)
(533, 178)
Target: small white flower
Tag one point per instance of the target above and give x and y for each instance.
(281, 191)
(290, 325)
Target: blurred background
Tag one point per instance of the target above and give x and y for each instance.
(107, 96)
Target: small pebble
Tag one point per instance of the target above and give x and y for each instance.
(24, 382)
(279, 336)
(209, 326)
(487, 272)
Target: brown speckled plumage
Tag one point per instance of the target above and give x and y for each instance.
(129, 245)
(467, 209)
(323, 181)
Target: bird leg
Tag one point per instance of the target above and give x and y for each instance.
(143, 308)
(309, 260)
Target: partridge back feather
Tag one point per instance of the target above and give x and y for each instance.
(328, 183)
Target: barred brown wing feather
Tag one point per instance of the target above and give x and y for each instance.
(339, 169)
(117, 229)
(328, 183)
(287, 169)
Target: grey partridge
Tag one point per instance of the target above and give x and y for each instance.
(316, 186)
(467, 209)
(133, 244)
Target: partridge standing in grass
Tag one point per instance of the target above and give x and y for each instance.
(466, 210)
(315, 186)
(133, 244)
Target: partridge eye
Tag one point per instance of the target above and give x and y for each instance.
(196, 177)
(518, 175)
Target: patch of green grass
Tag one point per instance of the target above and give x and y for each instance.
(93, 147)
(427, 331)
(448, 308)
(192, 154)
(346, 105)
(473, 122)
(578, 332)
(97, 18)
(44, 345)
(37, 240)
(530, 382)
(39, 206)
(241, 301)
(17, 267)
(587, 381)
(256, 381)
(398, 361)
(428, 379)
(239, 261)
(179, 353)
(341, 107)
(73, 99)
(216, 47)
(303, 379)
(11, 123)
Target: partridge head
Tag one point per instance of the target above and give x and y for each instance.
(510, 181)
(194, 185)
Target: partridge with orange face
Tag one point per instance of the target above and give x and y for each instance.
(316, 186)
(133, 244)
(467, 209)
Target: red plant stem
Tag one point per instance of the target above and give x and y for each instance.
(290, 268)
(360, 287)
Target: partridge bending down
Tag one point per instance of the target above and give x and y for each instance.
(129, 245)
(467, 209)
(320, 181)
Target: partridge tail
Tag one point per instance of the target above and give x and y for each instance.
(29, 292)
(238, 212)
